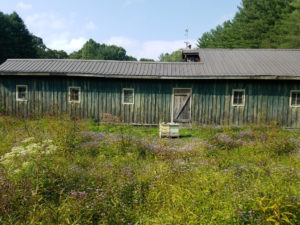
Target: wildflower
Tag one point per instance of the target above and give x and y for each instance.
(226, 142)
(27, 151)
(218, 127)
(246, 134)
(78, 194)
(28, 140)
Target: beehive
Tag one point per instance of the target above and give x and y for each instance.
(169, 130)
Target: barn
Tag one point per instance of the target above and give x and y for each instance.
(213, 86)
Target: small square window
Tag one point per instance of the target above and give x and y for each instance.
(21, 94)
(295, 99)
(128, 96)
(74, 94)
(238, 97)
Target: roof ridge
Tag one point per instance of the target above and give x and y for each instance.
(95, 60)
(242, 49)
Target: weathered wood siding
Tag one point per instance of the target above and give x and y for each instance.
(266, 100)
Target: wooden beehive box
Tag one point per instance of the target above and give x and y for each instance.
(169, 130)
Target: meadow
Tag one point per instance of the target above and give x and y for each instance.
(61, 170)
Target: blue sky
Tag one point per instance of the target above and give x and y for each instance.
(145, 28)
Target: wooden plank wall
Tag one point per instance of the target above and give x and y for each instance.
(266, 100)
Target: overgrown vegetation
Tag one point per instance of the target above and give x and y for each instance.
(59, 170)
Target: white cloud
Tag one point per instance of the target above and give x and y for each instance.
(23, 6)
(68, 45)
(65, 33)
(91, 26)
(57, 32)
(148, 49)
(44, 23)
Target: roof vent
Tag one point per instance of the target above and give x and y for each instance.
(190, 55)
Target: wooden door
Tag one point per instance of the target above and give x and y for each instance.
(182, 105)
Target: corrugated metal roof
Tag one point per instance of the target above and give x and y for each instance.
(214, 63)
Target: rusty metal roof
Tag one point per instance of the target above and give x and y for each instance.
(215, 64)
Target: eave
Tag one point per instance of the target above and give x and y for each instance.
(120, 76)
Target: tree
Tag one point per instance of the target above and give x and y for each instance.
(291, 27)
(55, 54)
(94, 50)
(39, 46)
(43, 52)
(15, 39)
(146, 60)
(17, 42)
(257, 24)
(175, 56)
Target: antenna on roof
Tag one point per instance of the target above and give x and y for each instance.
(187, 43)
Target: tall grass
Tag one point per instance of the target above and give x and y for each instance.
(59, 170)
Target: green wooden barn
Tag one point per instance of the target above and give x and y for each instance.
(213, 86)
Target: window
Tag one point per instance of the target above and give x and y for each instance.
(128, 96)
(21, 94)
(295, 99)
(238, 97)
(74, 94)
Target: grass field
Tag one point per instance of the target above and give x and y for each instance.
(57, 170)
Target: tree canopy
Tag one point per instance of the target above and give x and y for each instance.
(258, 24)
(94, 50)
(146, 60)
(290, 28)
(175, 56)
(17, 42)
(46, 53)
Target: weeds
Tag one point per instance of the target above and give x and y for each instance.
(60, 170)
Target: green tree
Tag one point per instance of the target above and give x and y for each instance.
(291, 27)
(94, 50)
(43, 52)
(55, 54)
(146, 60)
(175, 56)
(39, 46)
(257, 24)
(15, 40)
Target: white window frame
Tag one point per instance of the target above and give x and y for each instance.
(243, 99)
(294, 91)
(123, 96)
(79, 94)
(17, 93)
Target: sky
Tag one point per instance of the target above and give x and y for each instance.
(145, 28)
